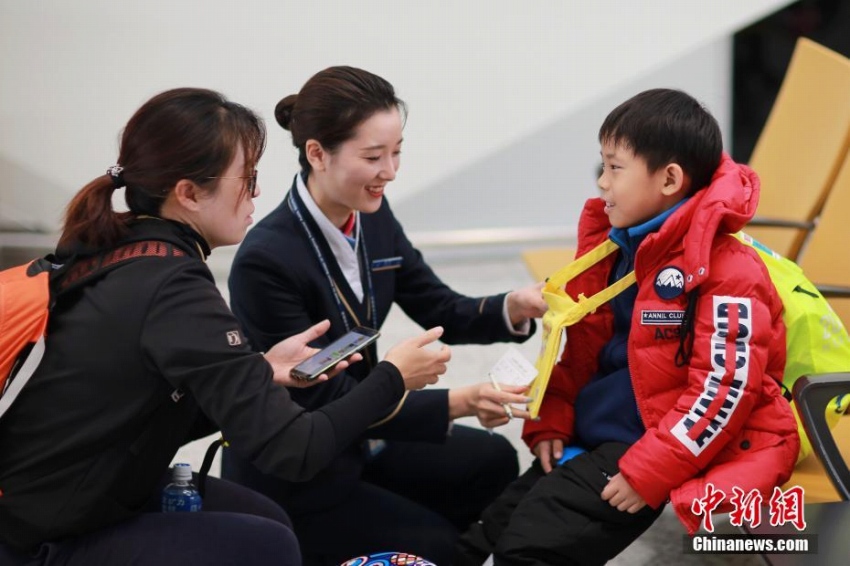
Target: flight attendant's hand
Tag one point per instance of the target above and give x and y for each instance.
(488, 404)
(419, 366)
(526, 303)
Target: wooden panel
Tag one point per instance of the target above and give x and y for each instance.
(543, 262)
(825, 259)
(803, 143)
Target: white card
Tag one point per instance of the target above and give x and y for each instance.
(513, 369)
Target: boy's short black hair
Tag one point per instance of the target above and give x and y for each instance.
(667, 126)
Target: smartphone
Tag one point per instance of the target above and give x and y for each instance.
(335, 352)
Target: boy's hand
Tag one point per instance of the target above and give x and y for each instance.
(549, 452)
(618, 493)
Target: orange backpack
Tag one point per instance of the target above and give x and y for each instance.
(24, 304)
(27, 294)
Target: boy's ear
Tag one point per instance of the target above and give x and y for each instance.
(315, 154)
(674, 180)
(187, 194)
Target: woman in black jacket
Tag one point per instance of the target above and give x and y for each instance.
(333, 250)
(147, 355)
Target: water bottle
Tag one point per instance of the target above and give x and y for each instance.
(180, 495)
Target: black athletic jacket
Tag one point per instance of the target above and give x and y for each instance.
(134, 360)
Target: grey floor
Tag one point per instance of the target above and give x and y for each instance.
(661, 544)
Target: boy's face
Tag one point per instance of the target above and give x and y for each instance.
(631, 193)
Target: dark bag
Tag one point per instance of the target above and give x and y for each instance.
(28, 293)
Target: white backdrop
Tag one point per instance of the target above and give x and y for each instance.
(479, 75)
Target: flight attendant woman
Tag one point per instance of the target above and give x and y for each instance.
(334, 250)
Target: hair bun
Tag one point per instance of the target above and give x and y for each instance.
(283, 111)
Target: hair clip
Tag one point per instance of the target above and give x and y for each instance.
(116, 173)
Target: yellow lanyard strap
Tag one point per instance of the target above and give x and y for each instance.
(564, 311)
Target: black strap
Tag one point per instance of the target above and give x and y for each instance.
(207, 464)
(686, 332)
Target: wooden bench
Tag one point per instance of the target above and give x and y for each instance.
(831, 446)
(801, 147)
(823, 475)
(811, 475)
(543, 262)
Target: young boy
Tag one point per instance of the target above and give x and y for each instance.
(671, 386)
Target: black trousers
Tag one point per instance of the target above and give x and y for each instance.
(414, 497)
(558, 518)
(236, 526)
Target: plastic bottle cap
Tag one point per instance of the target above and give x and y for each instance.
(182, 472)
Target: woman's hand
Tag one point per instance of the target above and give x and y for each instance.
(288, 353)
(526, 303)
(420, 367)
(484, 401)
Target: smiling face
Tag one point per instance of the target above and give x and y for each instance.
(631, 193)
(354, 176)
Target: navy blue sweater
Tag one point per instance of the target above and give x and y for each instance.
(606, 409)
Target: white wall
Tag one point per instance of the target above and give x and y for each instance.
(479, 75)
(542, 179)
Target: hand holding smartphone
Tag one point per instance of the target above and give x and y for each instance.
(338, 350)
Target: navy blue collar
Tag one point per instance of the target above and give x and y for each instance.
(630, 238)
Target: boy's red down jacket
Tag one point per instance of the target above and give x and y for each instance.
(720, 419)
